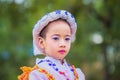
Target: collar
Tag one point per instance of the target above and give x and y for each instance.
(56, 61)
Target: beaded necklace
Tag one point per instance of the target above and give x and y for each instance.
(53, 65)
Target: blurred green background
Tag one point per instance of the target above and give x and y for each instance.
(96, 49)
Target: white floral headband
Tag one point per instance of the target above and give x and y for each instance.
(63, 14)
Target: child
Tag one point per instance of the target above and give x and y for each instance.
(52, 37)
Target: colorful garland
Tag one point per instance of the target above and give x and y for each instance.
(27, 70)
(75, 73)
(49, 76)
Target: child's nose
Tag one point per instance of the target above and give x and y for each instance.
(62, 43)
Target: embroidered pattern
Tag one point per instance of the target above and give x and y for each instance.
(53, 65)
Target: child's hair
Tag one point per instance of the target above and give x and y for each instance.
(45, 29)
(40, 27)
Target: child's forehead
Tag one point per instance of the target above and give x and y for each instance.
(58, 28)
(60, 24)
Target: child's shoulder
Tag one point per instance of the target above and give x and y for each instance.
(34, 73)
(80, 73)
(26, 71)
(38, 72)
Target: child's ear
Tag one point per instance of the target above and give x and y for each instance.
(41, 42)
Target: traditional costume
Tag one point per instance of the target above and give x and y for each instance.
(50, 68)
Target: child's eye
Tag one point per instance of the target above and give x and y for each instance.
(67, 39)
(55, 38)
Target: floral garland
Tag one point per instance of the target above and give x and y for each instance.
(75, 73)
(49, 76)
(27, 70)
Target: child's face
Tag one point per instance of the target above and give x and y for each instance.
(58, 39)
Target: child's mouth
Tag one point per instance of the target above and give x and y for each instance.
(61, 51)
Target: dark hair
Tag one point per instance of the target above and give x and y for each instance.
(44, 30)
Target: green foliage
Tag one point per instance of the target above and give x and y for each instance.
(93, 54)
